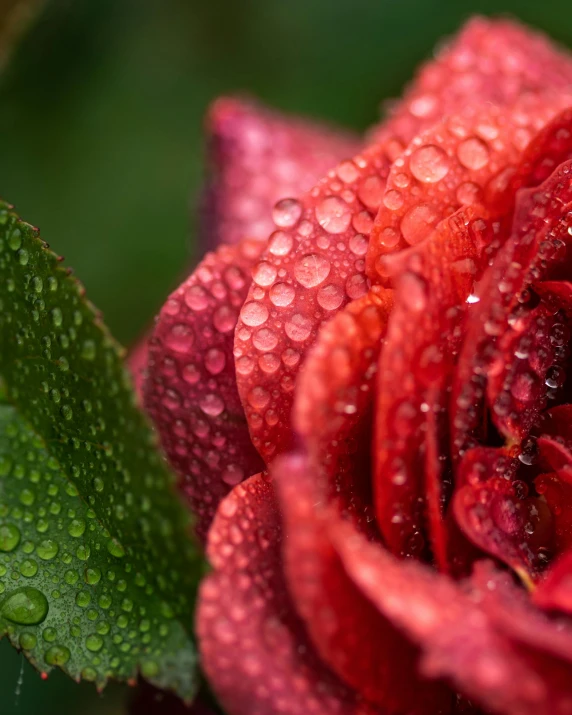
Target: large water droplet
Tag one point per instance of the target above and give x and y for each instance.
(311, 270)
(25, 606)
(286, 213)
(333, 214)
(9, 537)
(429, 164)
(254, 313)
(473, 153)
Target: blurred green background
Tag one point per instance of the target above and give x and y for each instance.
(100, 123)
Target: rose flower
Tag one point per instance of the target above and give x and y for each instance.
(365, 393)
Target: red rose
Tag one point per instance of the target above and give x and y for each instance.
(395, 354)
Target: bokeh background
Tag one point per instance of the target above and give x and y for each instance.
(101, 110)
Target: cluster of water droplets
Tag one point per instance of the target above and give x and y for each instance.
(313, 265)
(191, 391)
(80, 434)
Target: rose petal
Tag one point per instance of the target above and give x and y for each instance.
(254, 648)
(459, 639)
(334, 400)
(191, 391)
(554, 592)
(546, 641)
(312, 267)
(536, 245)
(556, 490)
(496, 514)
(489, 61)
(362, 646)
(465, 159)
(257, 157)
(433, 282)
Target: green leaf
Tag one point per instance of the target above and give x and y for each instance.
(97, 570)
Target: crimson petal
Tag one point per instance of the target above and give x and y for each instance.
(191, 391)
(489, 61)
(465, 159)
(254, 648)
(362, 646)
(555, 591)
(257, 157)
(313, 265)
(433, 282)
(460, 639)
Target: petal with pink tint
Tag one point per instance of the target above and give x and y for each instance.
(334, 399)
(460, 639)
(366, 649)
(537, 246)
(313, 265)
(554, 592)
(489, 61)
(433, 282)
(257, 157)
(254, 648)
(191, 391)
(465, 159)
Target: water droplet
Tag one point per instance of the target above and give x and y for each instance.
(180, 338)
(76, 528)
(311, 270)
(115, 548)
(264, 274)
(298, 328)
(57, 655)
(330, 297)
(211, 405)
(473, 153)
(196, 298)
(28, 641)
(9, 537)
(47, 549)
(149, 669)
(264, 339)
(224, 319)
(57, 317)
(28, 568)
(94, 643)
(429, 164)
(286, 213)
(371, 191)
(333, 214)
(25, 606)
(282, 294)
(215, 361)
(254, 313)
(418, 222)
(280, 243)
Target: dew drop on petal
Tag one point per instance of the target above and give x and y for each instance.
(429, 164)
(333, 214)
(418, 222)
(254, 314)
(311, 270)
(196, 298)
(211, 405)
(280, 243)
(180, 338)
(287, 212)
(330, 297)
(473, 153)
(298, 328)
(215, 361)
(282, 294)
(264, 274)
